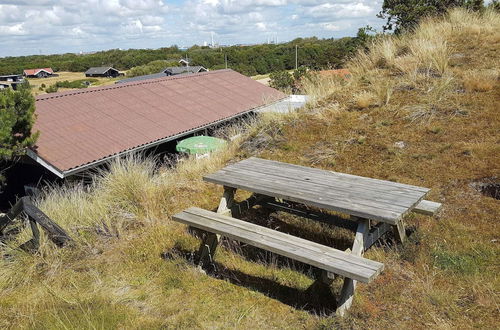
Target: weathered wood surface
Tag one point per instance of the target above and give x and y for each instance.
(376, 232)
(354, 195)
(323, 257)
(313, 215)
(349, 286)
(53, 230)
(427, 207)
(55, 233)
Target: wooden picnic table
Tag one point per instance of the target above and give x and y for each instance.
(374, 206)
(357, 196)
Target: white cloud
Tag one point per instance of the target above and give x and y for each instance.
(347, 10)
(16, 29)
(54, 26)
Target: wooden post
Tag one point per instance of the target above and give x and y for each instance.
(55, 233)
(207, 249)
(358, 248)
(53, 230)
(399, 231)
(227, 201)
(11, 215)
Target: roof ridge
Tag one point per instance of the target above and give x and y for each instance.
(123, 85)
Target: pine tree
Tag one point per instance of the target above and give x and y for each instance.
(17, 116)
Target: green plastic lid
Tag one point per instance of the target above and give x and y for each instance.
(198, 145)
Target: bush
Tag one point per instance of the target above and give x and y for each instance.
(285, 81)
(82, 83)
(281, 80)
(150, 68)
(52, 89)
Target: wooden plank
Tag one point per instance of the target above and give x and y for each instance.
(377, 199)
(427, 207)
(376, 233)
(310, 198)
(317, 216)
(226, 201)
(340, 264)
(318, 255)
(207, 249)
(11, 215)
(297, 169)
(349, 286)
(240, 207)
(363, 191)
(400, 231)
(236, 223)
(55, 233)
(331, 180)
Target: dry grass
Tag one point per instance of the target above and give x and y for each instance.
(480, 81)
(365, 100)
(35, 83)
(118, 276)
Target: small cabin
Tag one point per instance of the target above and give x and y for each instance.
(184, 61)
(175, 70)
(103, 71)
(12, 78)
(38, 73)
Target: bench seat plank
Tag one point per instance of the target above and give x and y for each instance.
(323, 257)
(427, 207)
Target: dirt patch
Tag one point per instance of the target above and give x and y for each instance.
(489, 187)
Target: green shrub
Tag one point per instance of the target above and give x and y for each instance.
(281, 80)
(52, 89)
(82, 83)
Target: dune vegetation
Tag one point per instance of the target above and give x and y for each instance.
(420, 108)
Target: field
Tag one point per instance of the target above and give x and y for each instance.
(70, 76)
(420, 109)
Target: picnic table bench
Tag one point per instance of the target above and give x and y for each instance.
(374, 208)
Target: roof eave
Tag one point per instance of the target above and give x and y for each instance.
(33, 155)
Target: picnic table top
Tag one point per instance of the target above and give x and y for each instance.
(359, 196)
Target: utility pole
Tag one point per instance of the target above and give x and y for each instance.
(225, 59)
(296, 57)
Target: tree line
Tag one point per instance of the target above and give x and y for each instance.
(313, 53)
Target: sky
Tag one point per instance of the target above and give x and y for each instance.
(59, 26)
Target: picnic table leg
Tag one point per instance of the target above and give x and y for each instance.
(358, 248)
(227, 201)
(207, 249)
(399, 231)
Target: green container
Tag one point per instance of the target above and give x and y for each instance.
(199, 145)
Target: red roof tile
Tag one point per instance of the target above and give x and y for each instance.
(344, 73)
(32, 72)
(87, 125)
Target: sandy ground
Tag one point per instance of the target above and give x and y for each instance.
(264, 81)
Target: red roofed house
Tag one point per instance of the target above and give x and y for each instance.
(342, 73)
(38, 73)
(83, 128)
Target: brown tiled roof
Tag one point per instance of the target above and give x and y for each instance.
(87, 125)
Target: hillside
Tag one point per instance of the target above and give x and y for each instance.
(420, 109)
